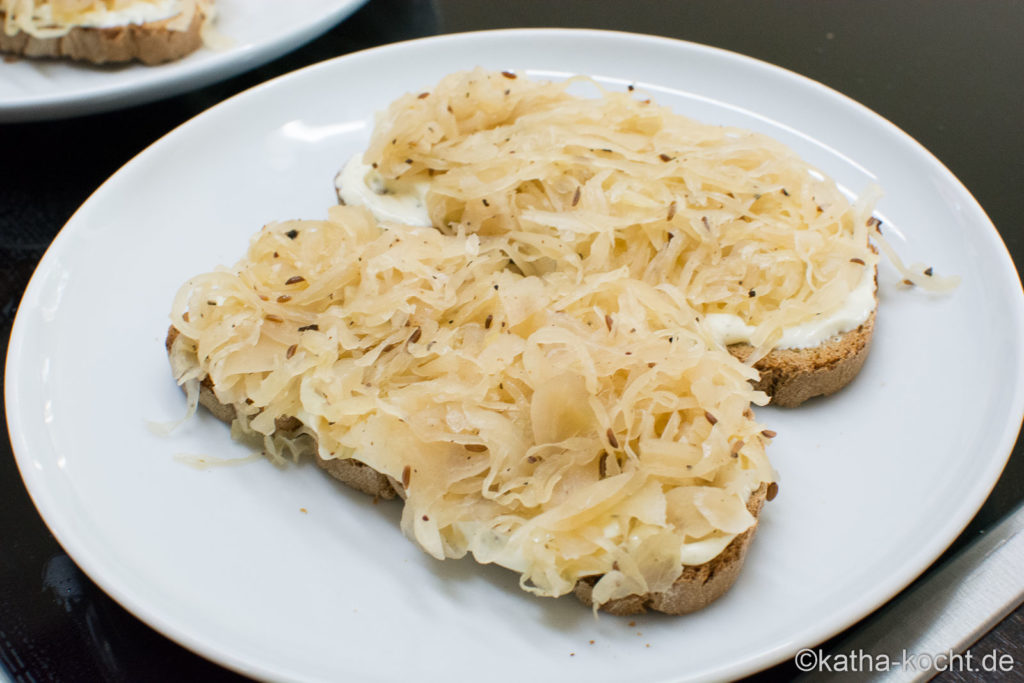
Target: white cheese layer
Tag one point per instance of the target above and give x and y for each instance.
(360, 185)
(727, 328)
(390, 202)
(140, 12)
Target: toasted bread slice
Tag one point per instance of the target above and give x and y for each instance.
(791, 376)
(698, 586)
(151, 43)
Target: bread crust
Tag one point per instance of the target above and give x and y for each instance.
(356, 474)
(150, 43)
(792, 376)
(697, 587)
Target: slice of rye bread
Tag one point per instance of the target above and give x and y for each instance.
(150, 43)
(791, 376)
(697, 587)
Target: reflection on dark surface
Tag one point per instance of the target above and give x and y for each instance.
(68, 588)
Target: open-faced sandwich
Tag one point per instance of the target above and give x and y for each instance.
(103, 31)
(764, 247)
(578, 431)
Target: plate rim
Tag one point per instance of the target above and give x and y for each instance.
(853, 612)
(154, 85)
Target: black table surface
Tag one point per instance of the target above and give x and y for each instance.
(949, 72)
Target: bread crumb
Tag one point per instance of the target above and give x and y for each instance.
(304, 511)
(632, 624)
(591, 642)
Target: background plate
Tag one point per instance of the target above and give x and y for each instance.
(259, 31)
(875, 481)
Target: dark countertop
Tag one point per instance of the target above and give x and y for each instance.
(949, 72)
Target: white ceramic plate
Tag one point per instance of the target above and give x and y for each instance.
(876, 481)
(258, 31)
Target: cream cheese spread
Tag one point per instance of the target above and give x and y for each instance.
(360, 185)
(390, 202)
(135, 13)
(727, 328)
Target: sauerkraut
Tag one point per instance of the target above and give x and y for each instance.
(56, 18)
(734, 220)
(558, 421)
